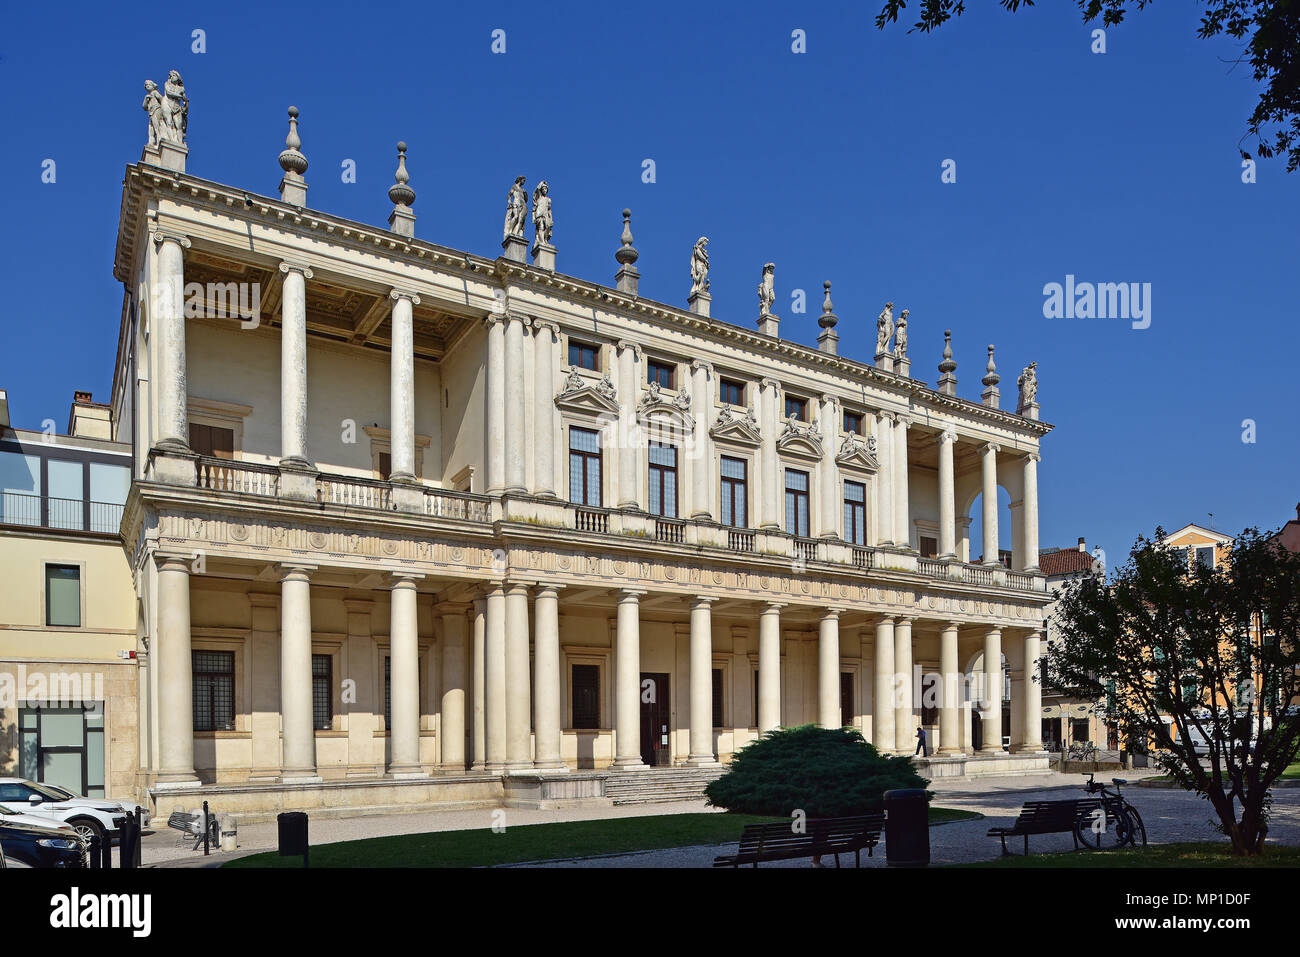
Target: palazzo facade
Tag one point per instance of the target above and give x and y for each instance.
(423, 516)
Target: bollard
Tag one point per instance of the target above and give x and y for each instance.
(206, 829)
(229, 833)
(907, 828)
(93, 858)
(293, 834)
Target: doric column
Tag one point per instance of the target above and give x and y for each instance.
(453, 687)
(769, 667)
(401, 389)
(1033, 715)
(298, 758)
(404, 674)
(494, 393)
(1030, 512)
(991, 712)
(903, 730)
(172, 659)
(949, 742)
(828, 670)
(701, 683)
(831, 510)
(882, 704)
(702, 466)
(516, 424)
(478, 668)
(293, 366)
(947, 495)
(546, 672)
(519, 706)
(629, 447)
(989, 474)
(769, 462)
(627, 680)
(898, 471)
(545, 336)
(494, 680)
(167, 302)
(885, 479)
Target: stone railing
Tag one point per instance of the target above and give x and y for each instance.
(464, 506)
(670, 530)
(354, 492)
(245, 478)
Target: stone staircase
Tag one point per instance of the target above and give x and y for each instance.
(658, 785)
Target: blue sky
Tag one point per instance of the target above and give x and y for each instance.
(1120, 167)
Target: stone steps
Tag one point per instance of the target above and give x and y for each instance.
(658, 785)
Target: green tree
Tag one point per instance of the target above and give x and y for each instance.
(1273, 51)
(824, 772)
(1215, 650)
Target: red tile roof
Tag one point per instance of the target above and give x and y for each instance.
(1067, 561)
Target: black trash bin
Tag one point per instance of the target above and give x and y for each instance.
(907, 828)
(293, 834)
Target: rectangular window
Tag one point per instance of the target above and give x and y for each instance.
(66, 491)
(663, 480)
(584, 467)
(322, 692)
(755, 724)
(855, 513)
(388, 692)
(1205, 556)
(797, 407)
(929, 547)
(846, 699)
(731, 392)
(853, 422)
(796, 502)
(385, 465)
(1182, 555)
(717, 697)
(586, 696)
(734, 492)
(20, 485)
(661, 372)
(214, 690)
(63, 596)
(583, 355)
(212, 440)
(931, 691)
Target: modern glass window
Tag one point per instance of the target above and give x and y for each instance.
(661, 372)
(853, 422)
(583, 355)
(797, 407)
(20, 489)
(214, 690)
(717, 697)
(584, 467)
(63, 596)
(731, 392)
(108, 487)
(663, 479)
(322, 692)
(1205, 556)
(585, 687)
(735, 510)
(67, 490)
(212, 440)
(855, 513)
(796, 502)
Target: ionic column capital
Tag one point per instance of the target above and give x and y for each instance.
(540, 325)
(991, 447)
(770, 607)
(770, 383)
(701, 601)
(494, 318)
(702, 365)
(173, 561)
(1032, 457)
(831, 614)
(548, 589)
(884, 415)
(161, 236)
(630, 596)
(902, 419)
(625, 344)
(299, 268)
(402, 578)
(396, 294)
(296, 571)
(830, 400)
(948, 436)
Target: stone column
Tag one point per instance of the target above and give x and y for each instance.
(885, 479)
(882, 703)
(477, 683)
(401, 390)
(1033, 715)
(1031, 512)
(627, 681)
(951, 689)
(828, 670)
(404, 671)
(898, 471)
(293, 366)
(702, 465)
(516, 424)
(701, 682)
(453, 687)
(167, 302)
(519, 706)
(904, 733)
(832, 501)
(545, 336)
(989, 474)
(769, 462)
(494, 392)
(629, 451)
(992, 700)
(494, 682)
(175, 669)
(769, 667)
(298, 760)
(546, 674)
(947, 496)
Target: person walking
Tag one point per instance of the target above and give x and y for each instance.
(922, 745)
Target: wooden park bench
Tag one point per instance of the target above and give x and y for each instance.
(781, 842)
(1047, 817)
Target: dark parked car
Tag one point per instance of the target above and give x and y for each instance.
(43, 846)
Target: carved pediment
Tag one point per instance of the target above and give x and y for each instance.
(580, 394)
(655, 402)
(856, 453)
(800, 438)
(740, 429)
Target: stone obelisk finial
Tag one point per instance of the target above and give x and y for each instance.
(947, 367)
(401, 220)
(990, 380)
(628, 277)
(293, 188)
(828, 339)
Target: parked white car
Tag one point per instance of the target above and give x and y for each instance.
(17, 814)
(129, 805)
(89, 817)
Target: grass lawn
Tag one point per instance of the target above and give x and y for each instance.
(1192, 854)
(1292, 772)
(535, 842)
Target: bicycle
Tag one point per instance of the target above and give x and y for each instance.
(1115, 815)
(1083, 751)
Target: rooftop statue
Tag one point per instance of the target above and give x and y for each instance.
(176, 108)
(700, 266)
(516, 210)
(1028, 383)
(900, 337)
(543, 221)
(767, 291)
(884, 328)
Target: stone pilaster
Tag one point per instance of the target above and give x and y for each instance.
(629, 446)
(769, 667)
(898, 471)
(494, 717)
(828, 670)
(904, 730)
(454, 643)
(882, 703)
(885, 478)
(495, 397)
(989, 478)
(627, 681)
(991, 705)
(298, 761)
(832, 500)
(1030, 518)
(516, 423)
(702, 466)
(404, 673)
(947, 495)
(701, 684)
(519, 706)
(545, 336)
(546, 672)
(172, 658)
(949, 741)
